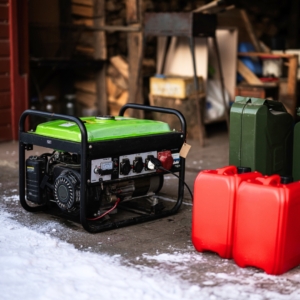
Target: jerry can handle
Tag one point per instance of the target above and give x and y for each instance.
(274, 179)
(229, 170)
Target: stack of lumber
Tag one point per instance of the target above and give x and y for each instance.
(84, 13)
(116, 87)
(117, 84)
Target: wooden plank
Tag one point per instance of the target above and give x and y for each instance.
(88, 86)
(262, 54)
(101, 91)
(113, 91)
(100, 37)
(117, 78)
(4, 48)
(5, 100)
(4, 34)
(248, 75)
(86, 50)
(233, 18)
(100, 53)
(83, 2)
(290, 100)
(3, 12)
(4, 65)
(250, 31)
(135, 58)
(292, 75)
(114, 109)
(120, 64)
(5, 116)
(87, 99)
(123, 98)
(108, 28)
(82, 10)
(4, 83)
(84, 21)
(132, 11)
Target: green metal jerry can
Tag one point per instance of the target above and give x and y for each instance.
(261, 136)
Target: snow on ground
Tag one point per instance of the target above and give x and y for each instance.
(37, 266)
(34, 265)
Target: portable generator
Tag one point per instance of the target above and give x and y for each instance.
(105, 171)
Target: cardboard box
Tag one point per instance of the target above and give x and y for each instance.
(177, 87)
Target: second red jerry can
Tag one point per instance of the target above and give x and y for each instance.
(267, 227)
(214, 209)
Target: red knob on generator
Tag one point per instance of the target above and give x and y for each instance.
(166, 159)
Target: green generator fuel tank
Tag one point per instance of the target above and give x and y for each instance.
(261, 136)
(102, 128)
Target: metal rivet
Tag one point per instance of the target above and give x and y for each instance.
(90, 146)
(88, 181)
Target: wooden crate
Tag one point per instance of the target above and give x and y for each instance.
(187, 107)
(266, 91)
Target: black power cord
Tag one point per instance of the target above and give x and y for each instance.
(155, 163)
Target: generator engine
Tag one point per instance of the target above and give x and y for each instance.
(57, 178)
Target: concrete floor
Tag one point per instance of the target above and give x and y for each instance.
(144, 244)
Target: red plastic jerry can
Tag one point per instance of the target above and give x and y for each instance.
(267, 227)
(214, 209)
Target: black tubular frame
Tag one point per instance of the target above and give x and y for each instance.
(27, 140)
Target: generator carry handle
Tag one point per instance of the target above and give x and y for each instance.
(157, 109)
(53, 116)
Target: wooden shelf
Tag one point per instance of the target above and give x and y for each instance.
(289, 99)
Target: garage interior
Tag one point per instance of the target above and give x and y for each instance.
(95, 56)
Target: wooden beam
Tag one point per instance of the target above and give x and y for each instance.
(82, 10)
(83, 2)
(248, 75)
(262, 54)
(121, 65)
(135, 56)
(113, 28)
(100, 38)
(100, 53)
(290, 100)
(132, 11)
(135, 82)
(250, 31)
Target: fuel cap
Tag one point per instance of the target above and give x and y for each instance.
(105, 117)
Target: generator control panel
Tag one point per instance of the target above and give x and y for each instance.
(130, 165)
